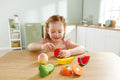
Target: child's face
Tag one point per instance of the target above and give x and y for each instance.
(56, 31)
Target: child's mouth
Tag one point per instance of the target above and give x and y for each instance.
(56, 38)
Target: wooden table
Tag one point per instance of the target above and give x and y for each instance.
(22, 65)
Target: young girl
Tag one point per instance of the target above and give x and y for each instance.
(54, 36)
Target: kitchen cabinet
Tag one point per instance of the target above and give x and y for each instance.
(70, 33)
(81, 35)
(33, 33)
(95, 39)
(112, 42)
(99, 40)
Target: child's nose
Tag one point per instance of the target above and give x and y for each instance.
(56, 34)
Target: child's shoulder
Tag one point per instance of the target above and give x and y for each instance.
(67, 41)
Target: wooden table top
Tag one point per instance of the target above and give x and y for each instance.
(22, 65)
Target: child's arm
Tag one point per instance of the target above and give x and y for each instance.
(74, 49)
(77, 49)
(35, 46)
(39, 46)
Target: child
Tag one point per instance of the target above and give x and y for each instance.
(54, 36)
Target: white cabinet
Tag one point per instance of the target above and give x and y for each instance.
(112, 42)
(99, 40)
(70, 33)
(95, 39)
(15, 35)
(81, 36)
(91, 38)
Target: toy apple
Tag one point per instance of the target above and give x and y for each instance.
(56, 52)
(42, 58)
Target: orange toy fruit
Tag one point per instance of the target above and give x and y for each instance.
(77, 69)
(66, 71)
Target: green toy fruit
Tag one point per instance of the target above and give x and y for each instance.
(50, 67)
(43, 71)
(83, 60)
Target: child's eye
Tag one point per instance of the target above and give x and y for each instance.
(60, 32)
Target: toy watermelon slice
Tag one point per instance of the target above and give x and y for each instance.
(50, 67)
(83, 60)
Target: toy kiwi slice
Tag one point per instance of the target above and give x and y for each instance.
(50, 67)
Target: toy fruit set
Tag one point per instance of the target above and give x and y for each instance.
(48, 68)
(67, 71)
(65, 60)
(56, 52)
(83, 60)
(45, 70)
(43, 58)
(76, 69)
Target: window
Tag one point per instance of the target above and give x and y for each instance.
(110, 9)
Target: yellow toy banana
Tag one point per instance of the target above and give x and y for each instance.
(65, 60)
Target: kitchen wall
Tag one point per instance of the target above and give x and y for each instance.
(74, 11)
(29, 11)
(38, 11)
(91, 10)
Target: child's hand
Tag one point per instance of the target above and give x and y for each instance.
(48, 47)
(64, 53)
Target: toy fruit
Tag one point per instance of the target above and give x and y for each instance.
(50, 67)
(65, 60)
(77, 70)
(43, 71)
(66, 71)
(42, 58)
(56, 51)
(83, 60)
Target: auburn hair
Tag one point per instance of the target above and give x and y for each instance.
(54, 18)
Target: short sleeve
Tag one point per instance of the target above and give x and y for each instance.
(67, 43)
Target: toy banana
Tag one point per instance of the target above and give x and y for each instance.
(65, 60)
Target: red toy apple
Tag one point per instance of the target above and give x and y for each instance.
(56, 51)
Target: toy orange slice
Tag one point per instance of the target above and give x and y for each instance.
(77, 70)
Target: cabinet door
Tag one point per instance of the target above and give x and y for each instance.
(71, 33)
(99, 40)
(95, 39)
(81, 35)
(90, 38)
(112, 42)
(33, 33)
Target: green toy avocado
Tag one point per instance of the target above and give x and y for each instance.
(43, 71)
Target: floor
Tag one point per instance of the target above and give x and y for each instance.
(3, 52)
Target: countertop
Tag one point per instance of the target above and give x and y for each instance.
(99, 27)
(23, 65)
